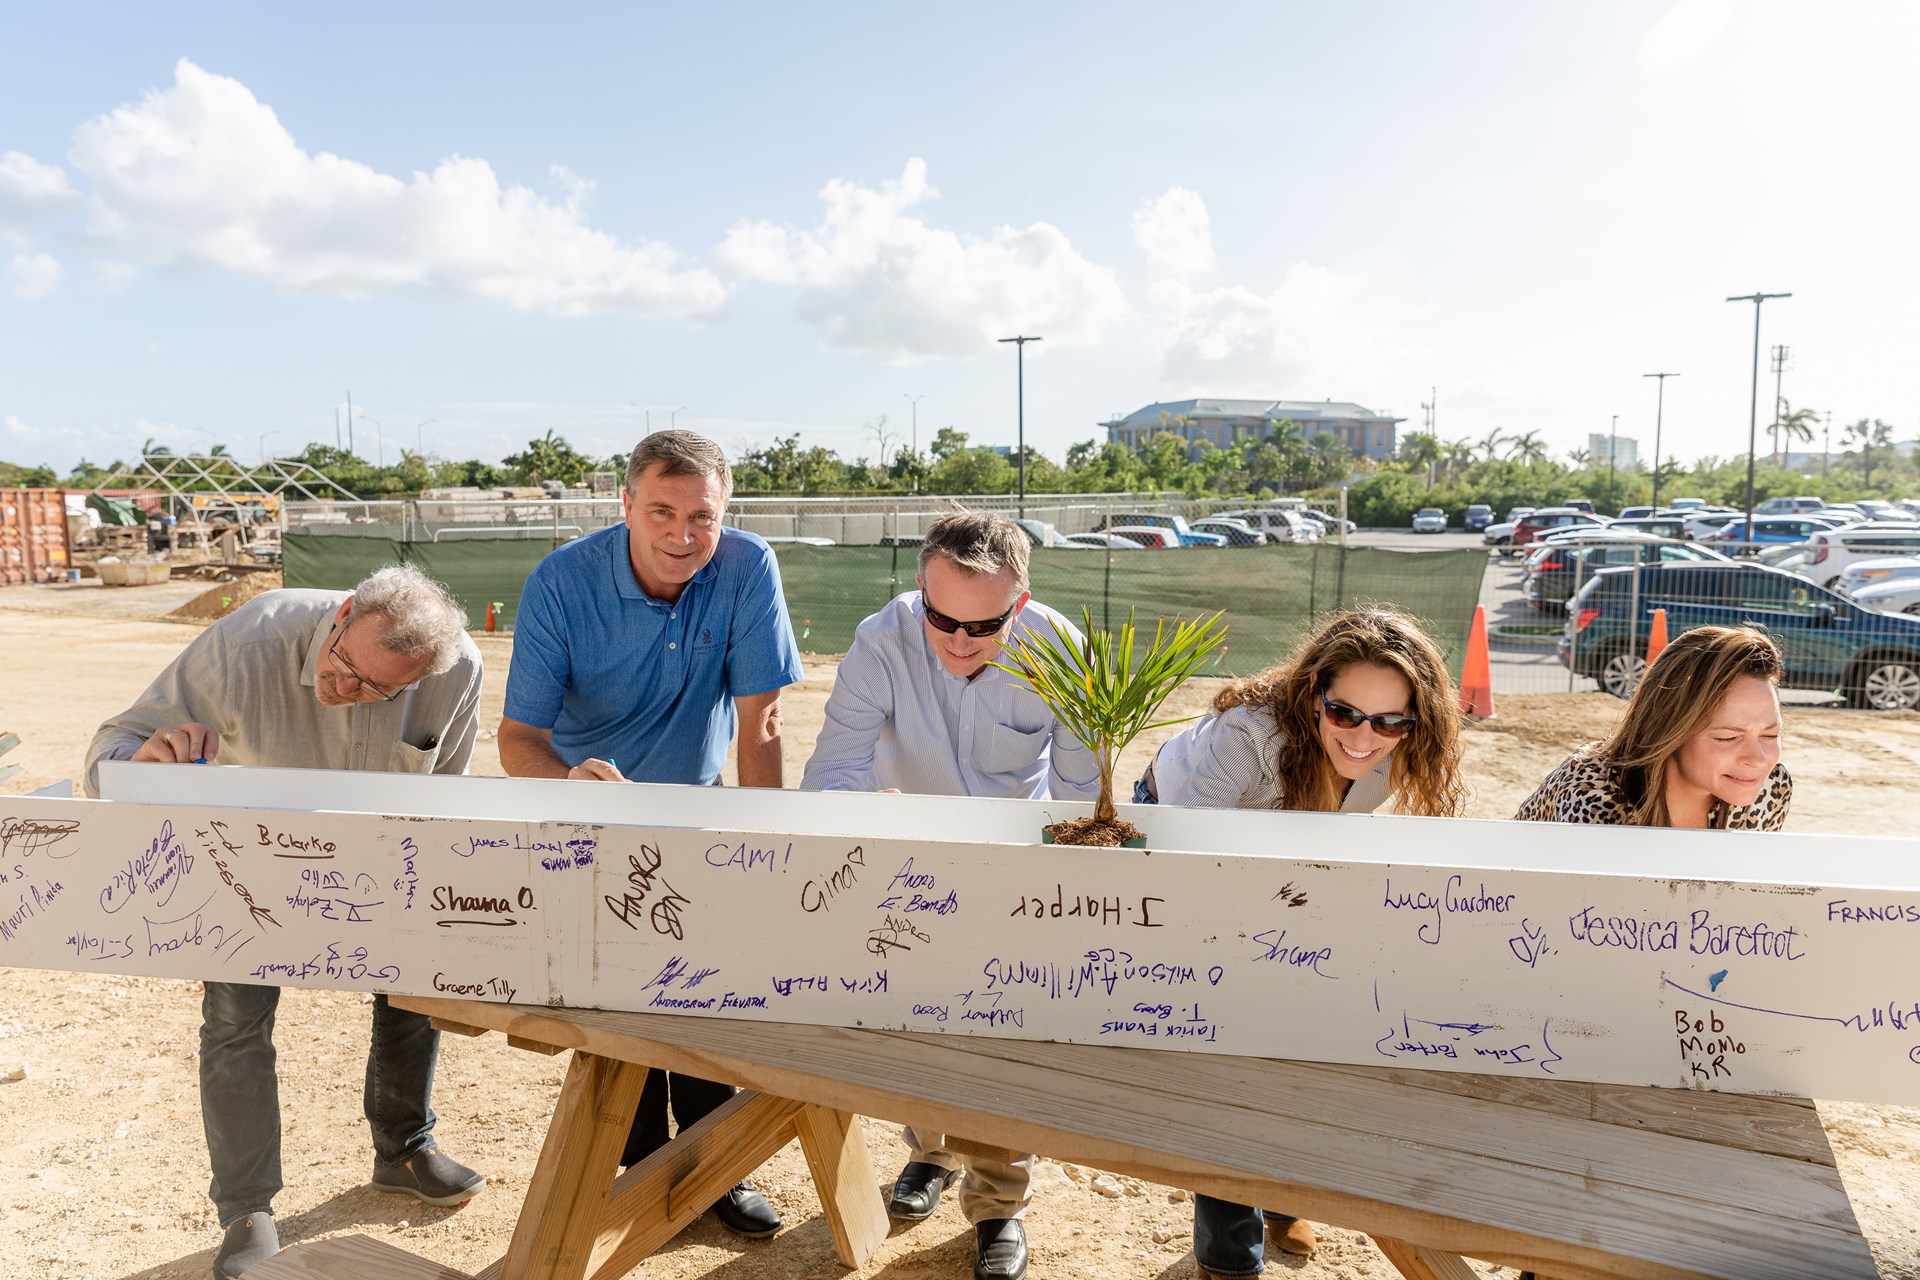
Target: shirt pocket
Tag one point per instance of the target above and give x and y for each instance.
(1012, 751)
(405, 758)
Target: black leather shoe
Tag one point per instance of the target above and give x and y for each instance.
(999, 1249)
(429, 1175)
(251, 1239)
(916, 1192)
(745, 1212)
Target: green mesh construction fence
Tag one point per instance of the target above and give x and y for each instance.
(1269, 594)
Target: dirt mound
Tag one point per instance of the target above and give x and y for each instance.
(222, 598)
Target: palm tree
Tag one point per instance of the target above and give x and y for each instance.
(1872, 434)
(1421, 449)
(1794, 424)
(1490, 443)
(1459, 456)
(1527, 447)
(1579, 459)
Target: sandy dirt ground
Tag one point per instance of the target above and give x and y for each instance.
(106, 1166)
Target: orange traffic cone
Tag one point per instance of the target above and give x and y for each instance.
(1476, 676)
(1657, 640)
(490, 617)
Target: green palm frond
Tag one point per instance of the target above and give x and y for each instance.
(1100, 692)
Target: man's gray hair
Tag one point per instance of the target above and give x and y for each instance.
(423, 618)
(680, 453)
(978, 542)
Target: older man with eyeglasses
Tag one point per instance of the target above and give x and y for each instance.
(382, 679)
(915, 707)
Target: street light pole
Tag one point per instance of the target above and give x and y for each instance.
(420, 437)
(1659, 415)
(263, 447)
(1753, 402)
(1613, 450)
(673, 417)
(914, 448)
(1020, 366)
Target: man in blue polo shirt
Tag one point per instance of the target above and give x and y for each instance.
(635, 652)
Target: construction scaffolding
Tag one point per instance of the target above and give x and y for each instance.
(214, 500)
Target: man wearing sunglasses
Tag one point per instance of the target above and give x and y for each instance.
(916, 708)
(636, 650)
(382, 679)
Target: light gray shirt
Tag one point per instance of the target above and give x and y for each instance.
(897, 718)
(251, 677)
(1231, 760)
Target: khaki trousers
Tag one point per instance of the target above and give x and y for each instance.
(992, 1189)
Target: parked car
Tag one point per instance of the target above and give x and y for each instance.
(1150, 537)
(1330, 524)
(1704, 525)
(1559, 569)
(1476, 517)
(1875, 509)
(1099, 541)
(1862, 574)
(1183, 533)
(1517, 514)
(1873, 659)
(1686, 504)
(1737, 536)
(1894, 595)
(1538, 522)
(1788, 506)
(1430, 520)
(1831, 552)
(1635, 513)
(1579, 504)
(1667, 526)
(1040, 533)
(1280, 524)
(1238, 533)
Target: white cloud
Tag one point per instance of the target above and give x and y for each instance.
(27, 184)
(877, 280)
(33, 277)
(203, 173)
(1176, 235)
(113, 277)
(1682, 33)
(1321, 332)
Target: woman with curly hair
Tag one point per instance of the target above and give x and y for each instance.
(1699, 745)
(1362, 714)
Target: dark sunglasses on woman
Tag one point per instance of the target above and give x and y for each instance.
(1346, 717)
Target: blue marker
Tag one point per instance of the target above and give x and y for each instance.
(201, 760)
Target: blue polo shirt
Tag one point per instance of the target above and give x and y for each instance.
(648, 685)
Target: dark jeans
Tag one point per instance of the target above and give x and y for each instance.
(240, 1093)
(1230, 1240)
(692, 1099)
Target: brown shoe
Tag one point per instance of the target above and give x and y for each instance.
(1296, 1237)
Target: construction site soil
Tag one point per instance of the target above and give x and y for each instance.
(99, 1074)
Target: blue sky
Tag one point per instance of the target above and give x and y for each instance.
(216, 225)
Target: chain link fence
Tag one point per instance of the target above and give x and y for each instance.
(1578, 615)
(843, 559)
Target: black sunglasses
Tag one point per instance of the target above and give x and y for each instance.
(978, 630)
(1352, 718)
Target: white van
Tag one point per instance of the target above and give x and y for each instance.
(1278, 523)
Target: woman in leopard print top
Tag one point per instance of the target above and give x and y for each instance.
(1699, 745)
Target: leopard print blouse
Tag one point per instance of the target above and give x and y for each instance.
(1586, 788)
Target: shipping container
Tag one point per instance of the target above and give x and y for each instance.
(33, 536)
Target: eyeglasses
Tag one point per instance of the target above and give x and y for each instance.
(978, 630)
(1352, 718)
(344, 668)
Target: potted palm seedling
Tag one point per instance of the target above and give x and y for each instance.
(1107, 697)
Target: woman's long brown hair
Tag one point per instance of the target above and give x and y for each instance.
(1425, 775)
(1675, 701)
